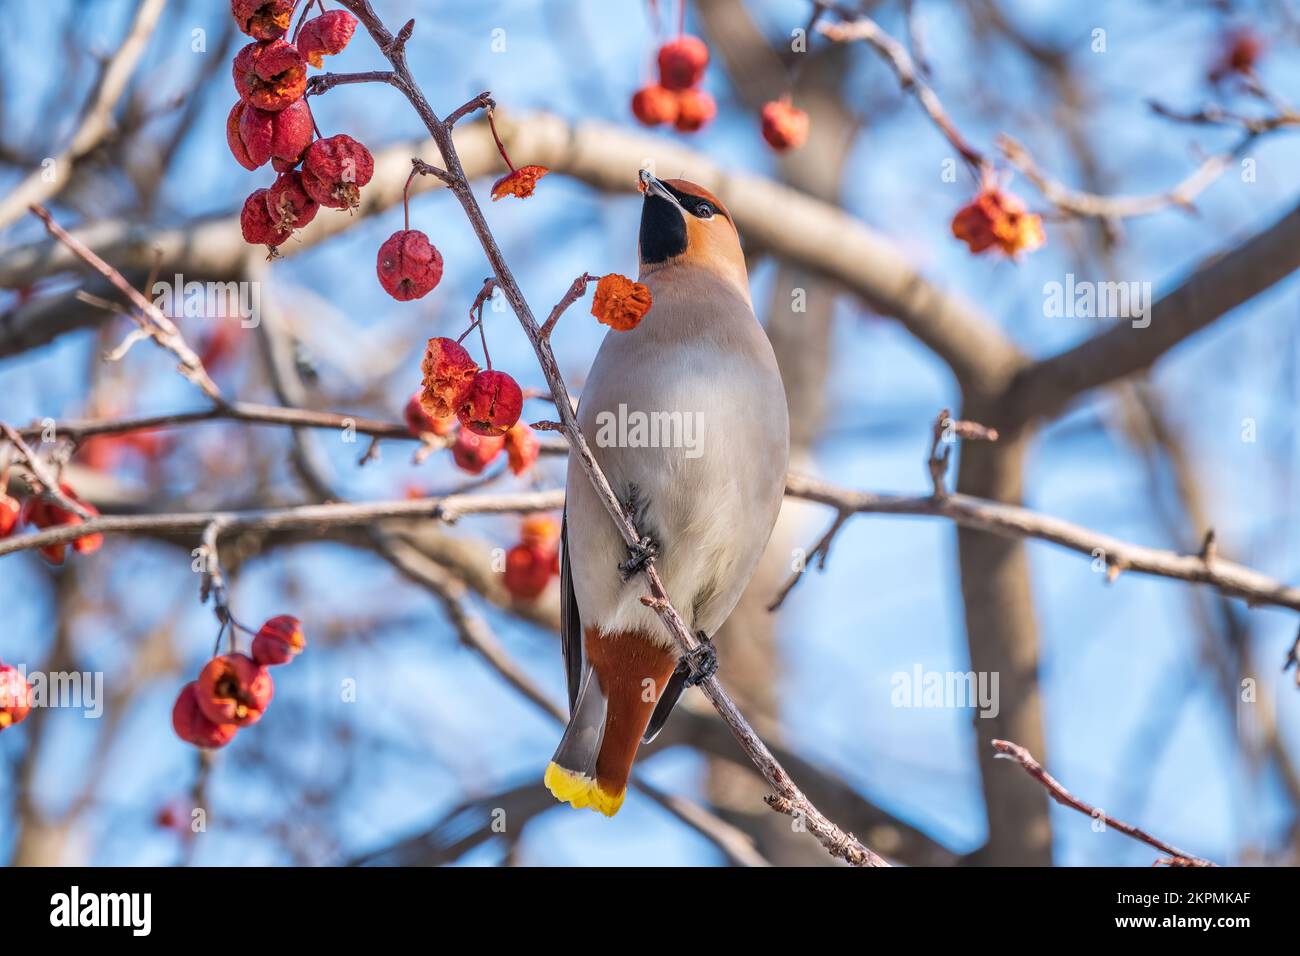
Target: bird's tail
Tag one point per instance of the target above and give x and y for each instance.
(623, 678)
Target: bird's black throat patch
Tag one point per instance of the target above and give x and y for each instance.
(663, 230)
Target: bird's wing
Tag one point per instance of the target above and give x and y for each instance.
(570, 620)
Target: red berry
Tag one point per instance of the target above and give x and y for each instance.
(421, 422)
(15, 696)
(256, 224)
(448, 373)
(45, 514)
(784, 127)
(262, 19)
(334, 169)
(278, 641)
(234, 689)
(10, 510)
(654, 105)
(682, 62)
(540, 531)
(522, 447)
(408, 265)
(192, 726)
(492, 405)
(288, 205)
(528, 570)
(270, 74)
(473, 452)
(326, 34)
(694, 109)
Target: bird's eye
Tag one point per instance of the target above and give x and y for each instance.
(704, 210)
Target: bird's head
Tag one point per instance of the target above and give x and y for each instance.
(685, 224)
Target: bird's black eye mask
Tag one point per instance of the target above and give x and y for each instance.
(663, 230)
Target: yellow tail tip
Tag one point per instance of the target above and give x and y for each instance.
(578, 790)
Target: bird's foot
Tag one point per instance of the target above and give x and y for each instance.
(639, 555)
(703, 661)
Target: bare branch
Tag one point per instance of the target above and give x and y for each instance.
(96, 121)
(1020, 755)
(150, 318)
(447, 508)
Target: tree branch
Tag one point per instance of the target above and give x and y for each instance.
(1020, 755)
(96, 121)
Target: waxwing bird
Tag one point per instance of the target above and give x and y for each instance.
(686, 416)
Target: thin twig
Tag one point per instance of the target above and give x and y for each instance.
(1012, 751)
(576, 291)
(149, 317)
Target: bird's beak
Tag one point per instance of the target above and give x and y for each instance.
(653, 187)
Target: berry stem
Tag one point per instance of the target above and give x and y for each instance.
(406, 199)
(501, 148)
(681, 17)
(306, 9)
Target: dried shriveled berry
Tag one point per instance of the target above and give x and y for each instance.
(448, 373)
(520, 182)
(278, 641)
(408, 264)
(234, 689)
(492, 405)
(522, 447)
(620, 303)
(998, 220)
(334, 169)
(10, 510)
(325, 35)
(421, 422)
(250, 156)
(193, 727)
(682, 62)
(270, 74)
(473, 452)
(256, 224)
(695, 108)
(263, 19)
(784, 127)
(654, 105)
(15, 696)
(288, 204)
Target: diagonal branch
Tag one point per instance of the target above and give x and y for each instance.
(96, 122)
(1218, 285)
(150, 318)
(1013, 751)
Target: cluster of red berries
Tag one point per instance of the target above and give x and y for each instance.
(15, 696)
(272, 122)
(486, 402)
(39, 513)
(532, 562)
(471, 451)
(234, 690)
(677, 98)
